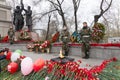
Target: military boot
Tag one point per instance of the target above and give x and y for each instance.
(86, 55)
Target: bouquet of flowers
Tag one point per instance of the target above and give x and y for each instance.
(45, 45)
(24, 35)
(55, 37)
(98, 32)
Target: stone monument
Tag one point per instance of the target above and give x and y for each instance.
(5, 18)
(19, 23)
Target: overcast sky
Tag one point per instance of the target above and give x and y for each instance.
(86, 12)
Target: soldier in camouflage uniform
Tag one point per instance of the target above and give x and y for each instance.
(11, 34)
(85, 36)
(64, 37)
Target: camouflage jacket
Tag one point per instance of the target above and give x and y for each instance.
(85, 34)
(11, 33)
(64, 37)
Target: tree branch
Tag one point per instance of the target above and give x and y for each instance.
(44, 14)
(62, 2)
(101, 5)
(53, 3)
(56, 6)
(108, 6)
(78, 4)
(96, 17)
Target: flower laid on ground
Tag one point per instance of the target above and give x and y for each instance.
(30, 46)
(46, 44)
(49, 70)
(72, 69)
(39, 45)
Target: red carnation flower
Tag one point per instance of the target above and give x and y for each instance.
(114, 59)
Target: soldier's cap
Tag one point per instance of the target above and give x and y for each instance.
(11, 27)
(64, 28)
(84, 22)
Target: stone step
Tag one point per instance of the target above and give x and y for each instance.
(14, 46)
(95, 52)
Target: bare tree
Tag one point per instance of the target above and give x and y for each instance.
(58, 6)
(76, 4)
(41, 15)
(102, 11)
(57, 22)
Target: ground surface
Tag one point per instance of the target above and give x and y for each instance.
(86, 63)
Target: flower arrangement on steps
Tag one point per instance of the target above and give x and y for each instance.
(98, 32)
(39, 46)
(24, 35)
(49, 70)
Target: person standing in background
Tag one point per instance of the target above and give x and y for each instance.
(11, 34)
(86, 38)
(65, 37)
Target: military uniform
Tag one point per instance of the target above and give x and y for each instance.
(65, 39)
(11, 34)
(86, 38)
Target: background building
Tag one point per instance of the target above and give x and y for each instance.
(114, 40)
(5, 17)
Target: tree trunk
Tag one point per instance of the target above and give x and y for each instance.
(63, 19)
(49, 19)
(76, 25)
(96, 18)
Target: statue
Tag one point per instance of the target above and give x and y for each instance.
(28, 14)
(18, 17)
(65, 39)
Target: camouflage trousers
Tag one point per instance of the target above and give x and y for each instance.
(86, 48)
(65, 48)
(11, 40)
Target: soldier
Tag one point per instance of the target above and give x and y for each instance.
(11, 34)
(64, 37)
(85, 36)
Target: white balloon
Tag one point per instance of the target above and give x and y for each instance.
(26, 66)
(14, 57)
